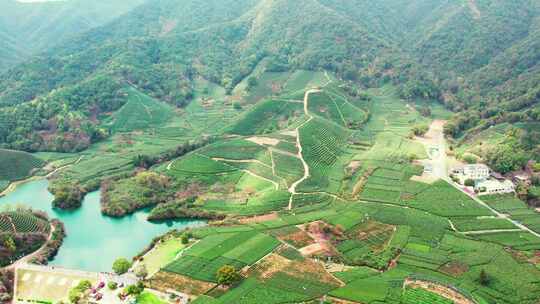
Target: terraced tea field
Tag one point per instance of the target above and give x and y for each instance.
(17, 165)
(313, 195)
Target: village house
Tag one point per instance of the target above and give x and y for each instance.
(485, 181)
(493, 186)
(476, 172)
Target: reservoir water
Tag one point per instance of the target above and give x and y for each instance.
(93, 241)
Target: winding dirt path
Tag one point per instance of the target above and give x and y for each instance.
(63, 167)
(300, 156)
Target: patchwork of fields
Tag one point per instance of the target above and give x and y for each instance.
(310, 180)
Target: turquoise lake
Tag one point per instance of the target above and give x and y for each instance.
(93, 241)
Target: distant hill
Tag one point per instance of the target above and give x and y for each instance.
(158, 48)
(478, 57)
(29, 28)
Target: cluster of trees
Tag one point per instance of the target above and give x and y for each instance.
(420, 130)
(181, 210)
(66, 120)
(50, 250)
(80, 294)
(67, 196)
(125, 196)
(513, 153)
(121, 266)
(6, 285)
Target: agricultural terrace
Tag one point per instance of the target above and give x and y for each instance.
(157, 130)
(314, 178)
(357, 252)
(17, 165)
(357, 228)
(21, 233)
(515, 208)
(22, 222)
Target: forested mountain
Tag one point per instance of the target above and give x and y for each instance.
(478, 57)
(29, 28)
(158, 49)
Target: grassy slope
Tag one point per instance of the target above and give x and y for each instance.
(15, 165)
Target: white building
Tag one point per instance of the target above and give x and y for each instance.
(493, 186)
(476, 172)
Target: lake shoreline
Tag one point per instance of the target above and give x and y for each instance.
(90, 233)
(13, 185)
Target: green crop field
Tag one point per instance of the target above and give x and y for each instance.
(267, 117)
(393, 228)
(141, 112)
(22, 222)
(16, 165)
(202, 260)
(323, 143)
(421, 296)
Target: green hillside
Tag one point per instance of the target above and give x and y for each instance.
(31, 28)
(162, 57)
(306, 134)
(17, 165)
(140, 112)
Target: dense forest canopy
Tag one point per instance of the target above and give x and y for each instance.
(478, 57)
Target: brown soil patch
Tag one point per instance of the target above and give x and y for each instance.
(270, 265)
(354, 165)
(323, 244)
(441, 290)
(312, 249)
(259, 218)
(359, 186)
(298, 239)
(164, 281)
(340, 301)
(312, 270)
(407, 196)
(454, 268)
(536, 258)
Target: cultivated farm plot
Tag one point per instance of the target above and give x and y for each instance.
(444, 200)
(288, 167)
(237, 149)
(17, 165)
(141, 112)
(200, 164)
(477, 224)
(421, 296)
(337, 109)
(277, 279)
(163, 253)
(22, 222)
(267, 116)
(202, 260)
(260, 203)
(323, 144)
